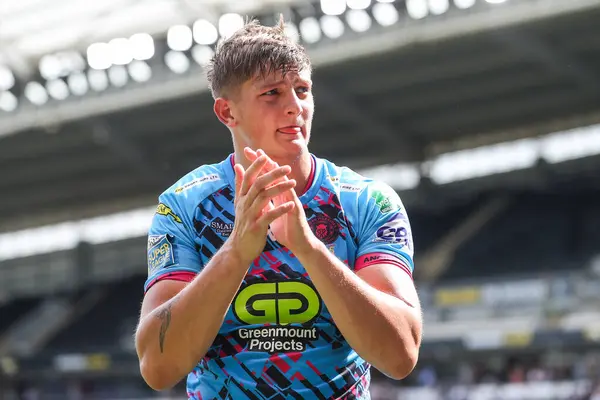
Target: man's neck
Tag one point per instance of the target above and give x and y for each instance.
(301, 168)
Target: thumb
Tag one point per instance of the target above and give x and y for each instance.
(292, 196)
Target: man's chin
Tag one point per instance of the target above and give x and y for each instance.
(289, 152)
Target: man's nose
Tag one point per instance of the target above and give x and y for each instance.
(293, 104)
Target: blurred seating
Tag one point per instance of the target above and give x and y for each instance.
(15, 309)
(535, 234)
(101, 327)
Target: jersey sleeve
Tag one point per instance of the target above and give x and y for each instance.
(384, 233)
(171, 248)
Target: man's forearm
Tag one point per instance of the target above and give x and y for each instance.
(176, 335)
(380, 327)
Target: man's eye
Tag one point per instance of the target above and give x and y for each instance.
(271, 92)
(303, 89)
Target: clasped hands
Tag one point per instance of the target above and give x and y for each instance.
(265, 198)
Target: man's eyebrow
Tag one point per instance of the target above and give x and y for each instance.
(280, 82)
(269, 84)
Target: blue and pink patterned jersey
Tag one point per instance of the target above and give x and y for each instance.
(278, 340)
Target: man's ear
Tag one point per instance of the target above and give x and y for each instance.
(223, 111)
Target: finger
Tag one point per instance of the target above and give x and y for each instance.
(278, 188)
(275, 213)
(265, 197)
(251, 154)
(272, 164)
(266, 180)
(239, 176)
(251, 173)
(269, 166)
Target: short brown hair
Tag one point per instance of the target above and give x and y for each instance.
(254, 50)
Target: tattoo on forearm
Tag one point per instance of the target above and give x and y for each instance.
(164, 315)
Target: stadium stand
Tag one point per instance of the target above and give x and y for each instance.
(12, 310)
(112, 318)
(568, 223)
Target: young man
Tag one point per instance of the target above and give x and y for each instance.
(275, 274)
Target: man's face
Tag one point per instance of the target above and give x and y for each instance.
(274, 113)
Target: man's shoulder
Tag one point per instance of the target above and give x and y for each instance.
(348, 180)
(203, 180)
(357, 191)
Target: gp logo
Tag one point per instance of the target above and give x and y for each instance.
(395, 230)
(278, 303)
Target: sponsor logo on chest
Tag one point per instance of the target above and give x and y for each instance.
(222, 228)
(280, 306)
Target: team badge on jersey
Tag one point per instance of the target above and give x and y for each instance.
(324, 228)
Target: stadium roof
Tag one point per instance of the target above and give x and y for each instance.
(401, 94)
(33, 28)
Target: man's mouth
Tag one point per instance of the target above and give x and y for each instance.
(291, 130)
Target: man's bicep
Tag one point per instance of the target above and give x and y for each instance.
(390, 279)
(160, 293)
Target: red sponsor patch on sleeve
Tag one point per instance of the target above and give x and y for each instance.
(173, 276)
(367, 260)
